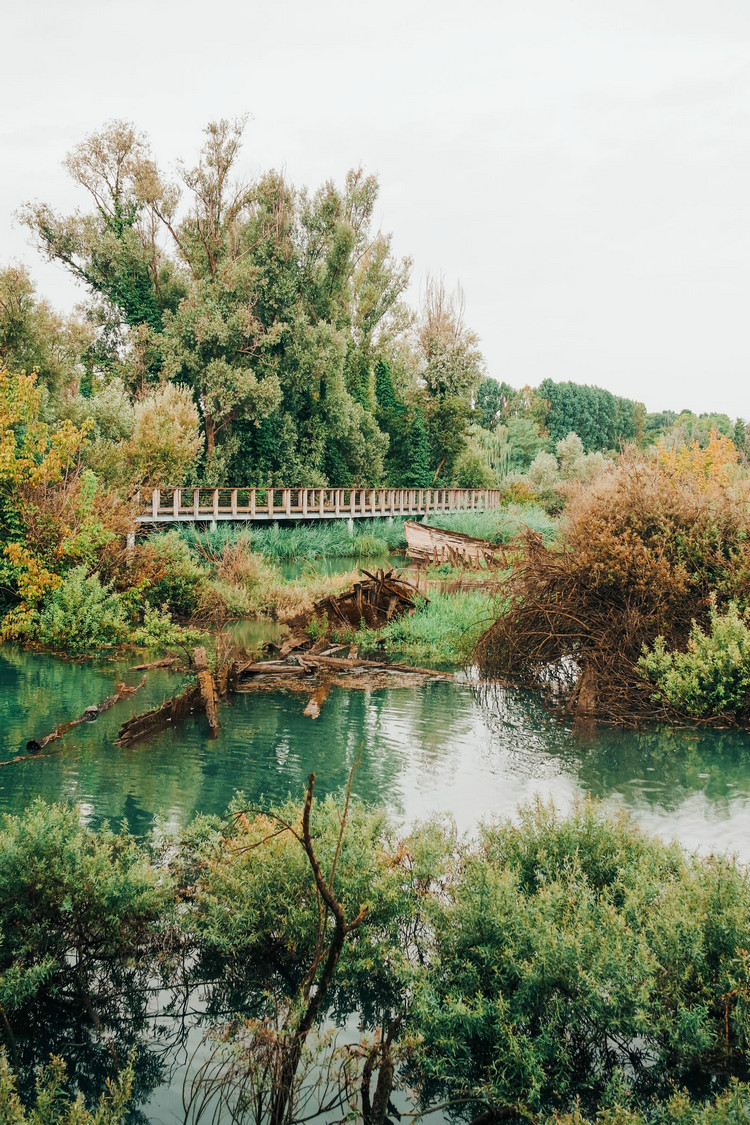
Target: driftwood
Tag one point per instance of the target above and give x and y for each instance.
(438, 545)
(89, 716)
(375, 600)
(148, 722)
(318, 697)
(203, 695)
(209, 698)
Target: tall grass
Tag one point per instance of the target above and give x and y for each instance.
(371, 538)
(443, 631)
(499, 525)
(322, 540)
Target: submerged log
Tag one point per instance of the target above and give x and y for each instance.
(89, 716)
(166, 662)
(318, 697)
(209, 701)
(175, 710)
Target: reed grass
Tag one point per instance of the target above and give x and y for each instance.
(442, 632)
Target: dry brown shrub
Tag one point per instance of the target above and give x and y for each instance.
(641, 553)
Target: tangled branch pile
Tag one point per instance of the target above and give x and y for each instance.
(648, 552)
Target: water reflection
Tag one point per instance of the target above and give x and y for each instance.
(447, 747)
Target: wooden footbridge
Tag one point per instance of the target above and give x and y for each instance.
(251, 505)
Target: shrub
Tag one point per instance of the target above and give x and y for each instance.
(712, 677)
(641, 553)
(167, 573)
(53, 1105)
(166, 438)
(578, 959)
(79, 616)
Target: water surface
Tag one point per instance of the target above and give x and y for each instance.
(446, 747)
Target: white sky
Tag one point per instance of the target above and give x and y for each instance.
(582, 167)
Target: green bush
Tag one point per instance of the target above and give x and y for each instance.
(53, 1105)
(712, 678)
(576, 958)
(159, 632)
(166, 570)
(79, 616)
(77, 903)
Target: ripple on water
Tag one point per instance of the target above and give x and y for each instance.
(445, 747)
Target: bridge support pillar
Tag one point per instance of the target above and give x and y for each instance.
(350, 527)
(212, 525)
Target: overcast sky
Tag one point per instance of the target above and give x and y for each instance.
(582, 167)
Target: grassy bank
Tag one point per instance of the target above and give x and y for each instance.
(443, 631)
(371, 538)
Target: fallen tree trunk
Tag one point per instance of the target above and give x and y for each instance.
(88, 716)
(342, 663)
(318, 697)
(175, 710)
(166, 662)
(209, 698)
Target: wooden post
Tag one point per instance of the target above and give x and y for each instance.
(252, 503)
(234, 501)
(383, 500)
(338, 501)
(287, 501)
(196, 502)
(353, 503)
(155, 503)
(322, 501)
(304, 501)
(269, 497)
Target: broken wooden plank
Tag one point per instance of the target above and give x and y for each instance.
(174, 710)
(336, 662)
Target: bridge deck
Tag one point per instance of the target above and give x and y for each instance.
(187, 505)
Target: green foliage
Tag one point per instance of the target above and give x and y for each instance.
(442, 631)
(76, 906)
(499, 525)
(577, 959)
(79, 616)
(159, 632)
(712, 677)
(489, 402)
(166, 573)
(730, 1107)
(53, 1105)
(601, 420)
(372, 538)
(35, 338)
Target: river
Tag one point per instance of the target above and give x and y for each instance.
(446, 747)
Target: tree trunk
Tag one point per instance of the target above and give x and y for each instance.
(210, 424)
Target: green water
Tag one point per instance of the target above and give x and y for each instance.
(444, 747)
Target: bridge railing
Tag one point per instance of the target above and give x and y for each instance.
(169, 505)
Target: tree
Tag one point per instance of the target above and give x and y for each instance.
(489, 401)
(267, 303)
(34, 338)
(452, 367)
(601, 420)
